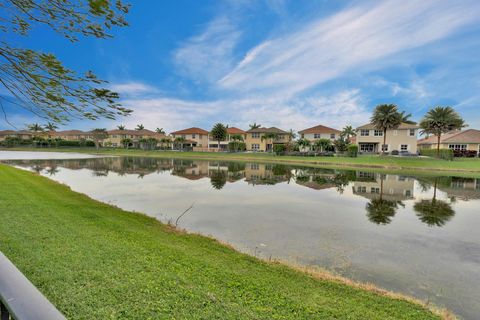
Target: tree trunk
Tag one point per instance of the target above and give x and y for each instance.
(438, 145)
(384, 141)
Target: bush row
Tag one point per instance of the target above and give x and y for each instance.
(446, 154)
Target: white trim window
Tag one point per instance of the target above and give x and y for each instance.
(404, 147)
(332, 136)
(395, 132)
(364, 132)
(193, 136)
(374, 190)
(412, 132)
(255, 135)
(458, 147)
(378, 133)
(255, 146)
(316, 136)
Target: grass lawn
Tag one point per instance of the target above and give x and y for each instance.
(466, 165)
(95, 261)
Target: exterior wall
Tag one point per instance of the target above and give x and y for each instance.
(21, 136)
(250, 140)
(395, 138)
(199, 138)
(311, 136)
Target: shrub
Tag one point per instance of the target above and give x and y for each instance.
(279, 149)
(395, 153)
(235, 146)
(464, 153)
(352, 150)
(445, 154)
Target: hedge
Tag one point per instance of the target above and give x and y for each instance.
(446, 154)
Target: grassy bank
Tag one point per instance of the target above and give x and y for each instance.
(94, 261)
(465, 165)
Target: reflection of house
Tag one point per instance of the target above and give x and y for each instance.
(395, 187)
(462, 188)
(255, 142)
(231, 132)
(22, 134)
(319, 132)
(402, 139)
(265, 173)
(456, 140)
(194, 137)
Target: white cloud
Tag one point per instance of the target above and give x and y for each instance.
(132, 88)
(209, 55)
(328, 48)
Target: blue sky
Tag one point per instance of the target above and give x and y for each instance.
(291, 64)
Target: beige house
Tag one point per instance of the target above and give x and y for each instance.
(455, 140)
(22, 134)
(316, 133)
(115, 137)
(231, 131)
(391, 187)
(196, 138)
(402, 139)
(254, 141)
(70, 135)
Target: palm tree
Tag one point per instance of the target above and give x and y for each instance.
(164, 141)
(292, 134)
(140, 127)
(440, 120)
(303, 143)
(387, 117)
(218, 179)
(434, 212)
(50, 126)
(35, 128)
(323, 144)
(219, 133)
(270, 136)
(179, 140)
(379, 210)
(160, 131)
(236, 139)
(255, 125)
(126, 142)
(98, 135)
(121, 127)
(348, 132)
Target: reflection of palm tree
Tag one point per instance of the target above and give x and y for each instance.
(218, 179)
(379, 210)
(434, 212)
(52, 170)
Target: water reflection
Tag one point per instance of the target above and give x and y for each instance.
(413, 234)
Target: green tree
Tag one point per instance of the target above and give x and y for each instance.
(218, 179)
(434, 212)
(140, 127)
(121, 127)
(98, 135)
(50, 126)
(255, 125)
(303, 143)
(35, 128)
(236, 138)
(387, 117)
(269, 137)
(165, 141)
(348, 132)
(379, 210)
(160, 131)
(38, 81)
(440, 120)
(179, 141)
(219, 133)
(323, 144)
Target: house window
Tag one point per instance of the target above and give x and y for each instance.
(378, 133)
(255, 146)
(404, 147)
(367, 147)
(280, 137)
(183, 136)
(200, 136)
(332, 136)
(316, 136)
(256, 135)
(411, 132)
(362, 189)
(375, 190)
(408, 193)
(303, 136)
(395, 132)
(364, 132)
(457, 147)
(193, 135)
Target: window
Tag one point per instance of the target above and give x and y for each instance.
(411, 132)
(256, 135)
(378, 133)
(364, 132)
(183, 136)
(367, 147)
(408, 193)
(362, 189)
(193, 136)
(404, 147)
(255, 146)
(280, 137)
(395, 132)
(200, 136)
(316, 136)
(303, 136)
(385, 147)
(332, 136)
(374, 190)
(254, 166)
(457, 146)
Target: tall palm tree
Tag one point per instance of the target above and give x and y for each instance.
(219, 133)
(292, 134)
(440, 120)
(121, 127)
(160, 131)
(386, 117)
(434, 212)
(255, 125)
(50, 126)
(140, 127)
(35, 128)
(348, 132)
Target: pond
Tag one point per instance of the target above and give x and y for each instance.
(418, 235)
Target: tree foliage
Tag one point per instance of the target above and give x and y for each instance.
(219, 133)
(38, 81)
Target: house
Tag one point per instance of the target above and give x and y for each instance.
(455, 140)
(319, 132)
(402, 139)
(231, 131)
(69, 135)
(116, 137)
(22, 134)
(255, 142)
(195, 138)
(389, 187)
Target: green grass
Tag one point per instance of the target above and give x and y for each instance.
(466, 165)
(95, 261)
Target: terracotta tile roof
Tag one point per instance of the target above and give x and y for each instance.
(402, 126)
(319, 129)
(465, 136)
(10, 132)
(143, 132)
(234, 130)
(268, 130)
(190, 131)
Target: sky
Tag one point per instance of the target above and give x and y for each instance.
(290, 64)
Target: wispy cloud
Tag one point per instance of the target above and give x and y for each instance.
(329, 48)
(132, 88)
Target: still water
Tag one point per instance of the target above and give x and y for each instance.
(419, 235)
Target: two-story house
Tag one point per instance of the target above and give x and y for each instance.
(196, 138)
(316, 133)
(24, 135)
(403, 139)
(258, 139)
(231, 132)
(117, 136)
